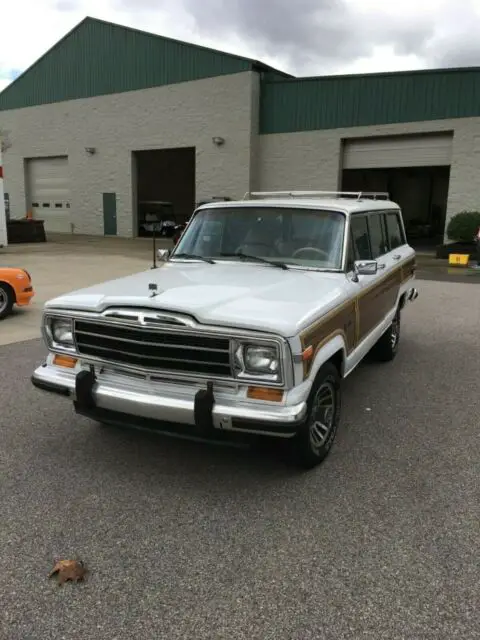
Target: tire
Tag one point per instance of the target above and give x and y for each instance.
(386, 348)
(312, 443)
(6, 300)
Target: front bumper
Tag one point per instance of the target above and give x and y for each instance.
(23, 298)
(194, 408)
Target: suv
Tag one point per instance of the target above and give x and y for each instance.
(250, 325)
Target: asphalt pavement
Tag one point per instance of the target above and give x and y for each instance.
(185, 540)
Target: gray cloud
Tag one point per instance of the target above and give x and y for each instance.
(455, 43)
(315, 36)
(65, 5)
(324, 34)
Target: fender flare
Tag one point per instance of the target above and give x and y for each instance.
(335, 345)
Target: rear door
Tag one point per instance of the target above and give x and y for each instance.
(400, 256)
(386, 294)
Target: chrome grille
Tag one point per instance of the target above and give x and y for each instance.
(167, 350)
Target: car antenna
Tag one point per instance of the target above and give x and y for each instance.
(154, 242)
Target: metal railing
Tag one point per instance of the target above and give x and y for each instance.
(353, 195)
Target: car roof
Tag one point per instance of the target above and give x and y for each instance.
(345, 202)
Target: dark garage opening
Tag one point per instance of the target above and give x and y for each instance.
(421, 192)
(165, 189)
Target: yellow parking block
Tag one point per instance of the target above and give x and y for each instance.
(459, 259)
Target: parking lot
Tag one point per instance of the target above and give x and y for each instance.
(66, 264)
(185, 540)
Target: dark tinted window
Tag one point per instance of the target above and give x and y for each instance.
(350, 254)
(378, 239)
(361, 244)
(394, 230)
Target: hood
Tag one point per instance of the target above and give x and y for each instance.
(238, 295)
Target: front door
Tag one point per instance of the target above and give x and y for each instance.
(370, 289)
(110, 214)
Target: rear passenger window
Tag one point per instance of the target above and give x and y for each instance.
(394, 230)
(361, 243)
(378, 240)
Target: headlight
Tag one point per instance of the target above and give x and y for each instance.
(260, 362)
(261, 359)
(60, 332)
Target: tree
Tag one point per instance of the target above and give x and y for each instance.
(463, 226)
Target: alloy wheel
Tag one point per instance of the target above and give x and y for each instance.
(3, 300)
(323, 415)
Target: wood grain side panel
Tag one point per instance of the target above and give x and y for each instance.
(408, 269)
(355, 319)
(340, 322)
(374, 303)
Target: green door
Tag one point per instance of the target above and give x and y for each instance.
(110, 214)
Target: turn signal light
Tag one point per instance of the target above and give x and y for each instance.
(64, 361)
(308, 353)
(265, 393)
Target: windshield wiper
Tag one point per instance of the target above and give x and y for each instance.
(245, 256)
(192, 256)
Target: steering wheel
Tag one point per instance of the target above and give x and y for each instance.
(319, 252)
(260, 244)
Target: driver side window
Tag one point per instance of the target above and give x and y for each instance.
(359, 245)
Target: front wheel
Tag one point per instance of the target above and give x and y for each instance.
(316, 436)
(6, 301)
(386, 348)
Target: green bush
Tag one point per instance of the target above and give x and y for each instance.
(463, 226)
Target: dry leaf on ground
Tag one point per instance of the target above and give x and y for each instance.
(73, 570)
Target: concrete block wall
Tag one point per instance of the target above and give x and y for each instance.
(190, 114)
(180, 115)
(313, 159)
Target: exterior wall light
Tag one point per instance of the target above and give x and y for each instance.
(90, 150)
(218, 141)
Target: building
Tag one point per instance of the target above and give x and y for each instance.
(112, 122)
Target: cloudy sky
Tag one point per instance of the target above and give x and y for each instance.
(303, 37)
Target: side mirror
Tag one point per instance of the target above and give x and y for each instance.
(177, 232)
(163, 255)
(365, 267)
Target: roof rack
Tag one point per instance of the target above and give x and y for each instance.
(357, 195)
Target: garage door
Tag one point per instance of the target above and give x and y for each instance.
(398, 151)
(49, 192)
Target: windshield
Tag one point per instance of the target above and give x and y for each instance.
(293, 236)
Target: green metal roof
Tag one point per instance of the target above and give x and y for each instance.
(98, 58)
(332, 102)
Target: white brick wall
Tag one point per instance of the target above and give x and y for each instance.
(312, 159)
(190, 114)
(186, 114)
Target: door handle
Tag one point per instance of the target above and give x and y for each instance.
(397, 256)
(381, 266)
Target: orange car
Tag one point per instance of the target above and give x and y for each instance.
(15, 288)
